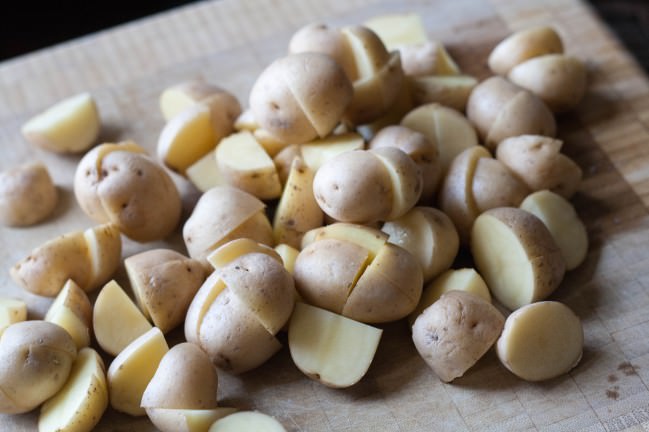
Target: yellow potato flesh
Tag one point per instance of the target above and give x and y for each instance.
(247, 421)
(366, 237)
(398, 29)
(319, 151)
(235, 248)
(11, 311)
(186, 420)
(105, 251)
(288, 254)
(330, 348)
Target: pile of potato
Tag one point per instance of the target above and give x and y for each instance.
(377, 180)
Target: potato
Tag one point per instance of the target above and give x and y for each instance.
(223, 106)
(35, 360)
(70, 126)
(116, 320)
(499, 110)
(289, 255)
(268, 142)
(559, 80)
(541, 341)
(330, 348)
(246, 121)
(222, 214)
(398, 29)
(561, 219)
(225, 254)
(205, 174)
(72, 310)
(455, 332)
(429, 235)
(88, 257)
(317, 37)
(244, 164)
(449, 130)
(367, 237)
(427, 58)
(494, 185)
(297, 210)
(80, 404)
(297, 106)
(465, 279)
(392, 116)
(421, 150)
(524, 45)
(186, 420)
(27, 195)
(390, 185)
(185, 379)
(539, 163)
(120, 184)
(449, 90)
(516, 255)
(131, 371)
(11, 312)
(247, 421)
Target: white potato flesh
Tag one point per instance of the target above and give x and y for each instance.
(72, 311)
(79, 405)
(247, 421)
(206, 295)
(288, 254)
(205, 174)
(398, 29)
(360, 235)
(234, 249)
(11, 311)
(105, 250)
(563, 223)
(70, 126)
(330, 348)
(186, 420)
(246, 121)
(317, 152)
(116, 319)
(541, 341)
(130, 372)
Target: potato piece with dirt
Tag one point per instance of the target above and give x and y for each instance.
(27, 195)
(541, 341)
(35, 360)
(72, 310)
(561, 219)
(524, 45)
(455, 332)
(516, 255)
(118, 183)
(300, 97)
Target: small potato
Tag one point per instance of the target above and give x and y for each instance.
(72, 310)
(541, 341)
(247, 421)
(118, 183)
(164, 283)
(538, 162)
(455, 332)
(35, 360)
(524, 45)
(70, 126)
(300, 97)
(516, 255)
(494, 186)
(559, 80)
(27, 195)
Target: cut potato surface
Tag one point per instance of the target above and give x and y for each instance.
(247, 421)
(72, 310)
(11, 311)
(330, 348)
(236, 248)
(398, 29)
(187, 420)
(317, 152)
(205, 174)
(541, 341)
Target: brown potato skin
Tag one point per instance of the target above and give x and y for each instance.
(35, 360)
(453, 333)
(27, 195)
(495, 186)
(524, 45)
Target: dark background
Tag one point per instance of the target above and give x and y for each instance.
(37, 25)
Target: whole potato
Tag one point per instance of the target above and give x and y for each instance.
(524, 45)
(119, 183)
(27, 195)
(35, 360)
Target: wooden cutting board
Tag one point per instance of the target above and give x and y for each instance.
(228, 43)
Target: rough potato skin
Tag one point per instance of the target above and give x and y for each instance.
(453, 333)
(27, 195)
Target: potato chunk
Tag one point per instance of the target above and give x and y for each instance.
(27, 195)
(247, 421)
(72, 311)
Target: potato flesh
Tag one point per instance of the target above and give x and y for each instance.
(406, 179)
(27, 195)
(317, 152)
(11, 311)
(289, 255)
(186, 420)
(236, 248)
(330, 348)
(366, 237)
(72, 311)
(398, 29)
(204, 173)
(247, 421)
(449, 90)
(105, 250)
(541, 341)
(203, 300)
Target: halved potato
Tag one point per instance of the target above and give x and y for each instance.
(187, 420)
(449, 90)
(247, 421)
(72, 311)
(524, 45)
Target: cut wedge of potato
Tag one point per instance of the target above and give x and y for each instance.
(247, 421)
(205, 174)
(72, 310)
(187, 420)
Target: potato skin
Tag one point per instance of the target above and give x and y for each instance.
(453, 333)
(27, 195)
(524, 45)
(35, 360)
(317, 37)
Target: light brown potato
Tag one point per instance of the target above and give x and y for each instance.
(559, 80)
(449, 90)
(164, 283)
(561, 219)
(500, 109)
(392, 116)
(87, 257)
(317, 37)
(27, 195)
(455, 332)
(494, 186)
(296, 107)
(118, 183)
(429, 235)
(131, 371)
(72, 310)
(184, 379)
(80, 404)
(247, 421)
(330, 348)
(427, 58)
(222, 214)
(516, 255)
(70, 126)
(12, 311)
(541, 341)
(524, 45)
(406, 178)
(448, 129)
(421, 150)
(538, 162)
(187, 420)
(35, 360)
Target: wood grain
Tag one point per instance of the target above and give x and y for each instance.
(228, 42)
